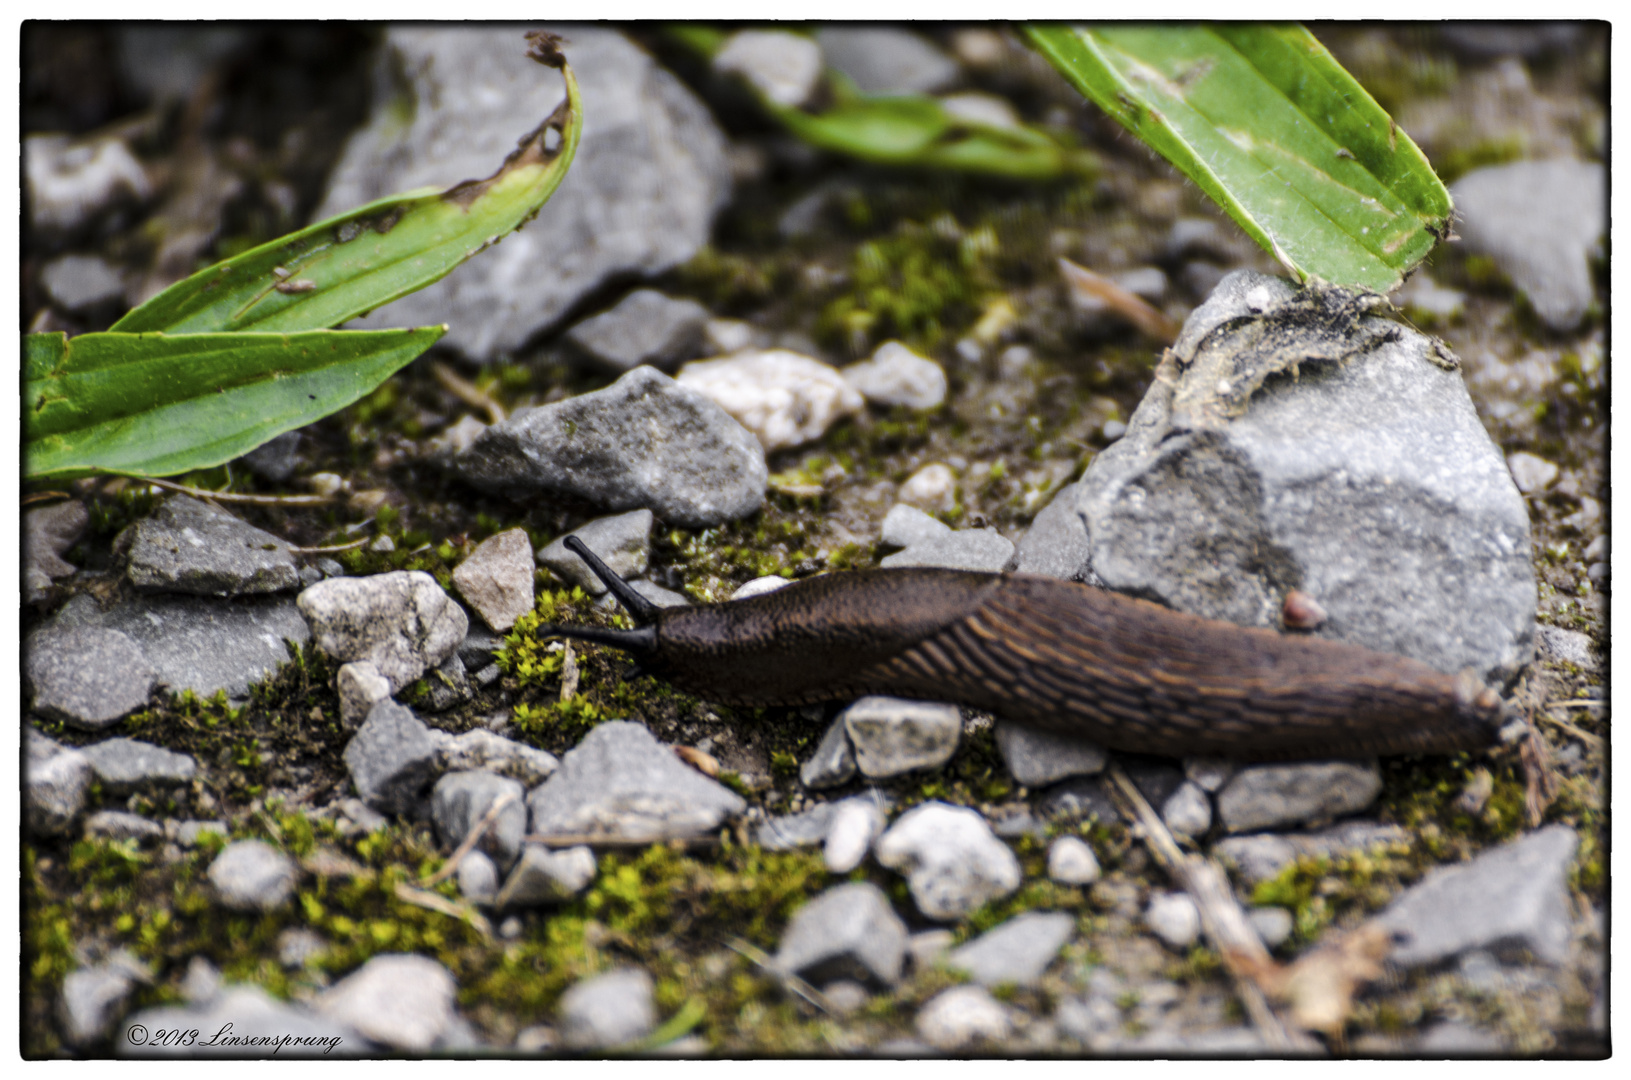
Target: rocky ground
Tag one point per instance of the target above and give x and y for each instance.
(310, 768)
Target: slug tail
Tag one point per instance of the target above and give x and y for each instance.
(643, 610)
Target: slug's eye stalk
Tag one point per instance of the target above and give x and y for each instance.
(642, 640)
(643, 610)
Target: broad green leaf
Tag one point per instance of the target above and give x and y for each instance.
(348, 265)
(160, 404)
(1270, 126)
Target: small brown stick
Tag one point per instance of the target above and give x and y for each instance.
(233, 496)
(1579, 733)
(431, 901)
(471, 839)
(1135, 309)
(41, 496)
(468, 392)
(1225, 924)
(787, 978)
(1591, 703)
(329, 550)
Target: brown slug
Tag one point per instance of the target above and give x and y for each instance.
(1056, 655)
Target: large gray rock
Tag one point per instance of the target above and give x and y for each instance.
(461, 799)
(1265, 796)
(86, 676)
(1035, 758)
(393, 758)
(848, 932)
(1513, 898)
(643, 442)
(645, 327)
(126, 765)
(608, 1010)
(401, 622)
(187, 547)
(1016, 952)
(1367, 482)
(401, 1000)
(240, 1021)
(200, 643)
(620, 783)
(639, 198)
(963, 1015)
(1540, 221)
(622, 541)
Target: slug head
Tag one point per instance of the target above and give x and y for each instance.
(641, 642)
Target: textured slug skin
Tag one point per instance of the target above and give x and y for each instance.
(1069, 658)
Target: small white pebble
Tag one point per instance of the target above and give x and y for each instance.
(1072, 862)
(933, 487)
(1174, 918)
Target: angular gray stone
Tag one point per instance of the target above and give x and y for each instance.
(1264, 796)
(1174, 918)
(1540, 221)
(906, 525)
(126, 765)
(1511, 899)
(812, 826)
(360, 687)
(608, 1010)
(643, 442)
(1036, 758)
(962, 1016)
(547, 876)
(1017, 951)
(621, 783)
(123, 825)
(479, 748)
(895, 735)
(92, 998)
(445, 685)
(622, 541)
(86, 676)
(1367, 482)
(855, 824)
(478, 647)
(783, 397)
(1263, 856)
(952, 861)
(645, 327)
(393, 758)
(886, 59)
(1570, 647)
(48, 533)
(252, 875)
(1187, 811)
(401, 621)
(477, 877)
(833, 762)
(461, 799)
(649, 174)
(400, 1000)
(187, 547)
(204, 644)
(496, 579)
(55, 782)
(847, 932)
(1056, 543)
(240, 1021)
(658, 595)
(1071, 861)
(958, 549)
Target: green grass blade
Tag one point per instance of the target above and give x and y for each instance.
(1266, 122)
(157, 404)
(351, 264)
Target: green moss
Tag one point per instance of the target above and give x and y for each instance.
(1319, 890)
(1459, 161)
